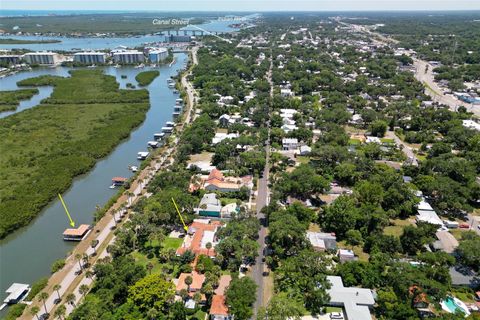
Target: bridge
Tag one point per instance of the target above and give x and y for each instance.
(189, 32)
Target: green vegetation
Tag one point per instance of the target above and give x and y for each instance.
(23, 41)
(38, 286)
(146, 77)
(15, 311)
(123, 24)
(83, 120)
(9, 100)
(57, 265)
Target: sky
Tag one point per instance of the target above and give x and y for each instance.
(242, 5)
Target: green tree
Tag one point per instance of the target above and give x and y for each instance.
(34, 311)
(153, 291)
(240, 297)
(57, 287)
(378, 128)
(43, 296)
(284, 307)
(60, 312)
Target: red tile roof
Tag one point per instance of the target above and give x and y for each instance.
(197, 281)
(196, 239)
(223, 283)
(218, 306)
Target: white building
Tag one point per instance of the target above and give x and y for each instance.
(356, 301)
(128, 56)
(89, 57)
(289, 144)
(286, 93)
(42, 58)
(158, 55)
(427, 214)
(471, 124)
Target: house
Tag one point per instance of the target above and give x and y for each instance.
(427, 214)
(285, 93)
(322, 241)
(355, 301)
(219, 309)
(228, 210)
(209, 206)
(471, 124)
(289, 128)
(217, 182)
(289, 144)
(224, 120)
(371, 139)
(346, 255)
(199, 234)
(220, 136)
(305, 150)
(197, 282)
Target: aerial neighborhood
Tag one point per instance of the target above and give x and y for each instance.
(319, 166)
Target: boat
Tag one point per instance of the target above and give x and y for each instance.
(142, 155)
(170, 80)
(171, 85)
(175, 91)
(134, 168)
(92, 66)
(167, 129)
(179, 102)
(153, 144)
(158, 136)
(140, 66)
(17, 292)
(170, 124)
(116, 66)
(118, 181)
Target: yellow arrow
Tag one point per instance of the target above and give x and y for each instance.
(180, 215)
(72, 223)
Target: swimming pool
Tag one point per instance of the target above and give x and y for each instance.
(452, 305)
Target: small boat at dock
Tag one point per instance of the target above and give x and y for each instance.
(153, 144)
(158, 136)
(142, 155)
(133, 168)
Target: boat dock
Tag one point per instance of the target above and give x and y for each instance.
(77, 234)
(16, 293)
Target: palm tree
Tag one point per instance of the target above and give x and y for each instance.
(89, 274)
(149, 267)
(188, 282)
(57, 287)
(34, 311)
(60, 312)
(208, 246)
(43, 296)
(70, 298)
(85, 259)
(78, 256)
(83, 290)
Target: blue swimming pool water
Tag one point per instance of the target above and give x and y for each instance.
(452, 306)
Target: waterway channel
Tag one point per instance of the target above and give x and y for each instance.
(27, 255)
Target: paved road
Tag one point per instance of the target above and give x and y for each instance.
(424, 74)
(408, 151)
(262, 200)
(474, 222)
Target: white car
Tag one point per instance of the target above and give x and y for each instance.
(336, 315)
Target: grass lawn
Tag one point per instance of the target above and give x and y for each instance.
(303, 159)
(457, 233)
(45, 147)
(333, 309)
(358, 250)
(204, 156)
(397, 228)
(268, 288)
(387, 140)
(226, 201)
(354, 142)
(143, 260)
(314, 227)
(465, 295)
(172, 243)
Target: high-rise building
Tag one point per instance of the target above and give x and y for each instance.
(128, 56)
(42, 57)
(9, 59)
(89, 57)
(178, 38)
(158, 55)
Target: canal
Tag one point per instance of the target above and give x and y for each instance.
(27, 255)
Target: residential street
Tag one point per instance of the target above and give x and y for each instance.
(262, 200)
(408, 151)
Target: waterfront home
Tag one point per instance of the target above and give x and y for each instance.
(118, 181)
(209, 206)
(199, 234)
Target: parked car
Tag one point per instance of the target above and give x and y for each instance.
(464, 226)
(336, 315)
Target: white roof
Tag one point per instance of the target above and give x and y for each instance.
(289, 140)
(208, 236)
(429, 217)
(423, 205)
(15, 291)
(143, 153)
(346, 252)
(89, 53)
(471, 124)
(355, 300)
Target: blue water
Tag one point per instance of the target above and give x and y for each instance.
(452, 306)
